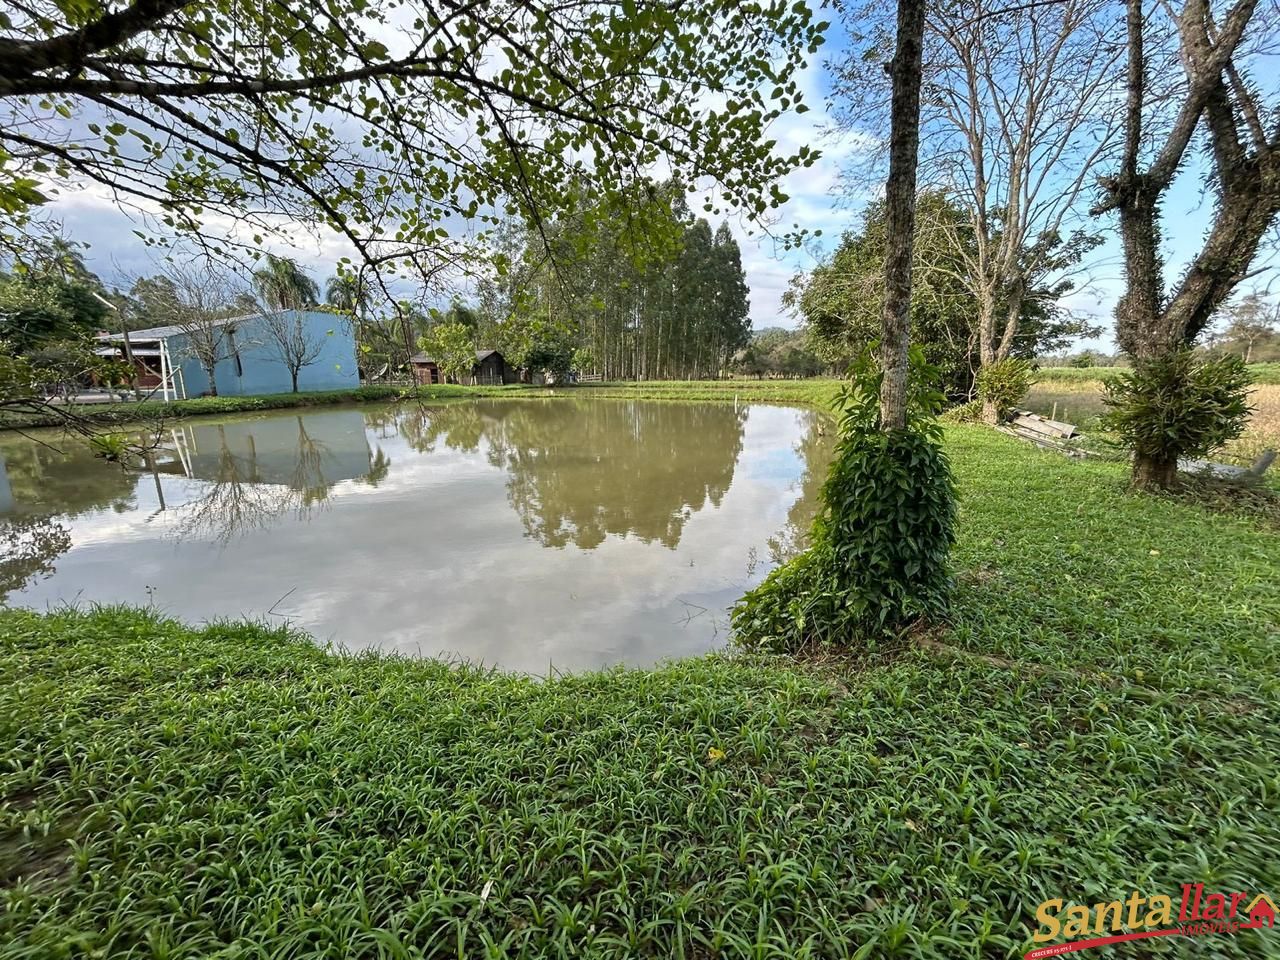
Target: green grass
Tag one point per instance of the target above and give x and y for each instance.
(132, 412)
(818, 392)
(1103, 718)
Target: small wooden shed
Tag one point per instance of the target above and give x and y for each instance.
(490, 368)
(425, 370)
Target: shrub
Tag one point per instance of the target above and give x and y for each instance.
(1004, 384)
(970, 412)
(1179, 404)
(110, 446)
(880, 545)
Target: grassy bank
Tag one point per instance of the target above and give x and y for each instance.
(109, 414)
(818, 392)
(1099, 717)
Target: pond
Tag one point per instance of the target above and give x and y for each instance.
(532, 535)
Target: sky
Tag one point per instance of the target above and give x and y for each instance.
(117, 254)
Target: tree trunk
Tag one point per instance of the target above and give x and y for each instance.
(1153, 473)
(900, 213)
(294, 375)
(406, 331)
(211, 373)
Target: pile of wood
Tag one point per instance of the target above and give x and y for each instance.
(1043, 432)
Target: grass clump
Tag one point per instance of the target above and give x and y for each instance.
(1002, 385)
(1177, 405)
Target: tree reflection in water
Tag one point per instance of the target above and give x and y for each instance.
(815, 450)
(302, 458)
(28, 547)
(579, 470)
(41, 484)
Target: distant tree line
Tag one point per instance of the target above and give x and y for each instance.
(840, 301)
(774, 352)
(662, 297)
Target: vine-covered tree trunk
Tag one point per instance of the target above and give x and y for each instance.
(900, 210)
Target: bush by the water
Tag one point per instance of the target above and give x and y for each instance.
(969, 412)
(1004, 384)
(879, 550)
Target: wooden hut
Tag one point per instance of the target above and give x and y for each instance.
(425, 370)
(489, 368)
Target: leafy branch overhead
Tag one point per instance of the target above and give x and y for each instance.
(390, 122)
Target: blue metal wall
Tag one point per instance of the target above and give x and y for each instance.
(262, 371)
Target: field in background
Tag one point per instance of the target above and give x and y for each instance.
(1263, 373)
(1075, 395)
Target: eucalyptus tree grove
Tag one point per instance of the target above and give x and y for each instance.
(392, 122)
(670, 303)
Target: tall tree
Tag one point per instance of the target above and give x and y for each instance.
(198, 299)
(48, 294)
(451, 346)
(840, 301)
(1015, 119)
(880, 545)
(1250, 321)
(733, 304)
(667, 301)
(1217, 46)
(296, 345)
(900, 213)
(347, 292)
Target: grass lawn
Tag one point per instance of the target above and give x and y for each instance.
(1101, 716)
(108, 414)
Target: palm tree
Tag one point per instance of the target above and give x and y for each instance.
(344, 292)
(63, 258)
(283, 285)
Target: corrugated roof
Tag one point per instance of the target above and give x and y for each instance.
(423, 358)
(173, 329)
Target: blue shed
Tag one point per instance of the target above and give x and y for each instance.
(256, 354)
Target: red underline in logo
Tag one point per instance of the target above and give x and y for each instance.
(1060, 948)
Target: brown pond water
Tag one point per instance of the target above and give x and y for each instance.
(532, 535)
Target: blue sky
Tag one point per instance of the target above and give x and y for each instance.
(116, 254)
